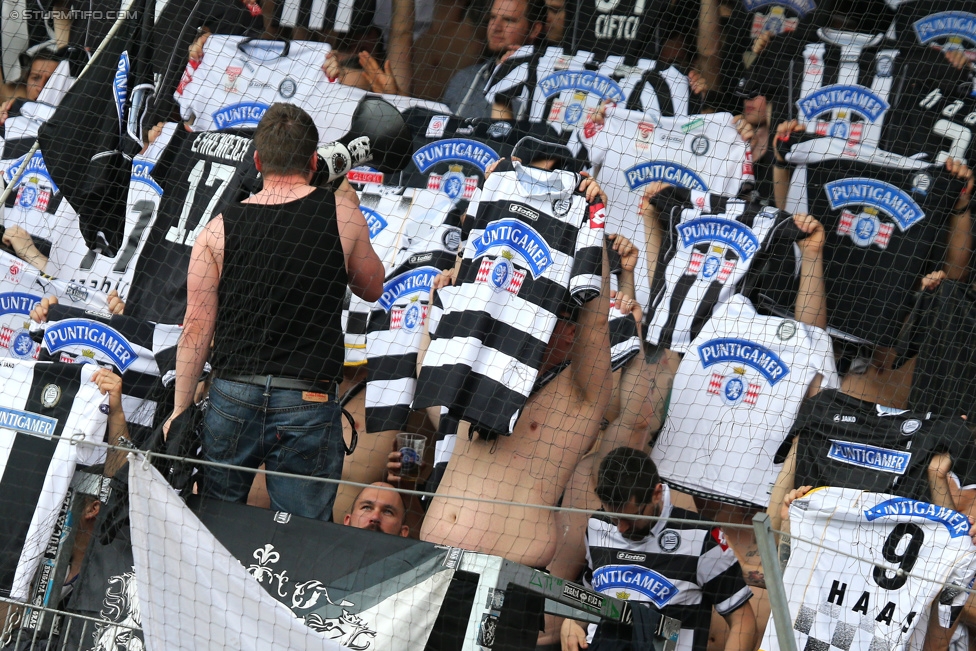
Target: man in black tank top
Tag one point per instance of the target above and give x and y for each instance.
(276, 265)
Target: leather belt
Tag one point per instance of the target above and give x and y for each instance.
(276, 382)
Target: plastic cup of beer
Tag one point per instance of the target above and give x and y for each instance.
(411, 448)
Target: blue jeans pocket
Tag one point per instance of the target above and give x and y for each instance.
(222, 435)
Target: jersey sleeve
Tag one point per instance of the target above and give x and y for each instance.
(587, 277)
(720, 575)
(822, 354)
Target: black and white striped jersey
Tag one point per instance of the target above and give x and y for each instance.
(40, 401)
(842, 86)
(21, 288)
(430, 244)
(682, 569)
(703, 262)
(866, 569)
(534, 244)
(565, 89)
(701, 153)
(624, 338)
(342, 16)
(735, 398)
(886, 217)
(126, 345)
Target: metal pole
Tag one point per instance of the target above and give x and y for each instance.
(774, 582)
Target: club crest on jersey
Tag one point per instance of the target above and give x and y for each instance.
(459, 150)
(454, 184)
(856, 99)
(775, 22)
(874, 195)
(374, 221)
(35, 168)
(27, 422)
(18, 343)
(410, 317)
(244, 114)
(90, 334)
(710, 266)
(513, 234)
(32, 196)
(231, 74)
(415, 281)
(733, 234)
(673, 173)
(742, 351)
(948, 29)
(142, 173)
(955, 522)
(633, 578)
(869, 456)
(501, 274)
(801, 7)
(735, 388)
(580, 93)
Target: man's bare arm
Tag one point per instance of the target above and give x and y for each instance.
(363, 266)
(591, 347)
(811, 298)
(784, 484)
(742, 629)
(200, 322)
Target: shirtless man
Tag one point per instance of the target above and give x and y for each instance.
(531, 468)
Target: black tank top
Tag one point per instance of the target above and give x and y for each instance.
(281, 290)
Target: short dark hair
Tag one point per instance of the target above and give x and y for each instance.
(626, 473)
(285, 139)
(535, 11)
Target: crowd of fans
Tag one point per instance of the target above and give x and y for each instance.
(836, 295)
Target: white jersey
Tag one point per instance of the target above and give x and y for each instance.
(236, 82)
(429, 243)
(40, 401)
(98, 271)
(385, 209)
(21, 288)
(839, 602)
(735, 397)
(702, 153)
(706, 255)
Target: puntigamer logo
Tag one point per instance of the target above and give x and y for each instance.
(90, 334)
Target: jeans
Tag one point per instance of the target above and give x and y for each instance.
(245, 427)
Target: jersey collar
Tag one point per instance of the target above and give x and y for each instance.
(662, 524)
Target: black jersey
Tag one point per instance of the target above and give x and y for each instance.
(885, 217)
(200, 173)
(942, 333)
(850, 443)
(935, 113)
(617, 27)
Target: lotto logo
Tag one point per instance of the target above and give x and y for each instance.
(598, 215)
